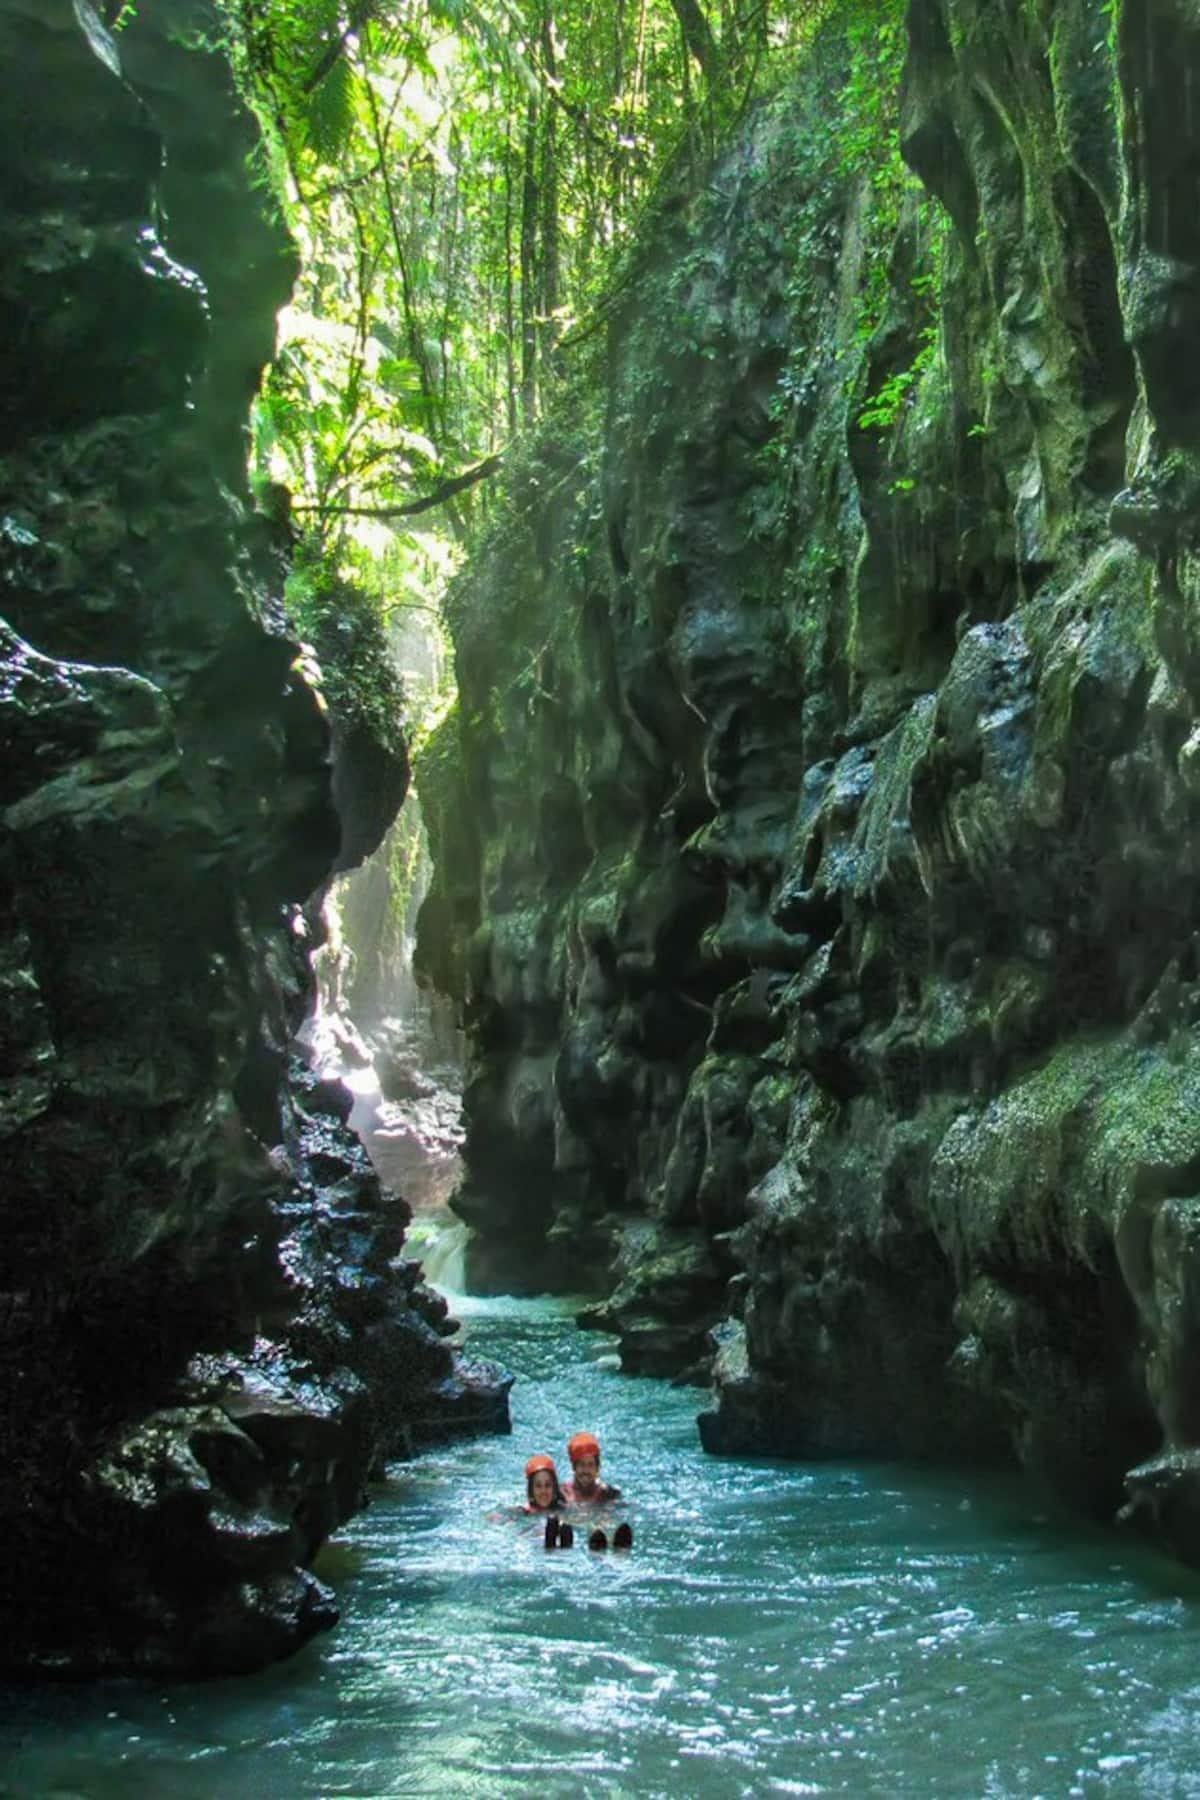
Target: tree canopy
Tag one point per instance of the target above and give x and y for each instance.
(462, 177)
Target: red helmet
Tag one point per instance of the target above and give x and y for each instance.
(540, 1462)
(583, 1444)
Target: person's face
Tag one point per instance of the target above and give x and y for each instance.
(541, 1488)
(586, 1471)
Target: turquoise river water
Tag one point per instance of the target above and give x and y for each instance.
(777, 1629)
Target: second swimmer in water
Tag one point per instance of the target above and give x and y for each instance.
(587, 1489)
(545, 1496)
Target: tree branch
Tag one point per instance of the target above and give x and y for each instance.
(439, 497)
(359, 16)
(697, 33)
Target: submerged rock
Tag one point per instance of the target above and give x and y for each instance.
(830, 700)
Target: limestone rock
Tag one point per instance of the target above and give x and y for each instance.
(208, 1336)
(817, 837)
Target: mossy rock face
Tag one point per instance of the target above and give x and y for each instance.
(207, 1343)
(366, 704)
(833, 851)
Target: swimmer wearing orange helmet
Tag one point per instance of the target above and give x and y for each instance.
(543, 1494)
(586, 1487)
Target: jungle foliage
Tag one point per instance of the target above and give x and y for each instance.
(469, 182)
(464, 177)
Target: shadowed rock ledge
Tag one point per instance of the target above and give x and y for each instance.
(817, 840)
(208, 1336)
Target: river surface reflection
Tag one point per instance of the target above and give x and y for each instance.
(778, 1629)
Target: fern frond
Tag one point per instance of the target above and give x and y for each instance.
(327, 113)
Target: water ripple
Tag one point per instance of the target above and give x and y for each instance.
(776, 1630)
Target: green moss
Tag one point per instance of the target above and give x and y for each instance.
(438, 774)
(1151, 1118)
(355, 674)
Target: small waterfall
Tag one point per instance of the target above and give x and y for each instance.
(439, 1241)
(394, 1045)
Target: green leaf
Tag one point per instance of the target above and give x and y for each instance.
(329, 113)
(398, 374)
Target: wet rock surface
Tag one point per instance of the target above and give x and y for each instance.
(209, 1337)
(817, 840)
(396, 1044)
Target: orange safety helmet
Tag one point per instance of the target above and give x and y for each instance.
(583, 1444)
(540, 1462)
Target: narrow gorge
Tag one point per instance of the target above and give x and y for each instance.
(814, 834)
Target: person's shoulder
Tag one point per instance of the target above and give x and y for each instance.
(610, 1492)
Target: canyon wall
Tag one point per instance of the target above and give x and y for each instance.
(208, 1336)
(817, 834)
